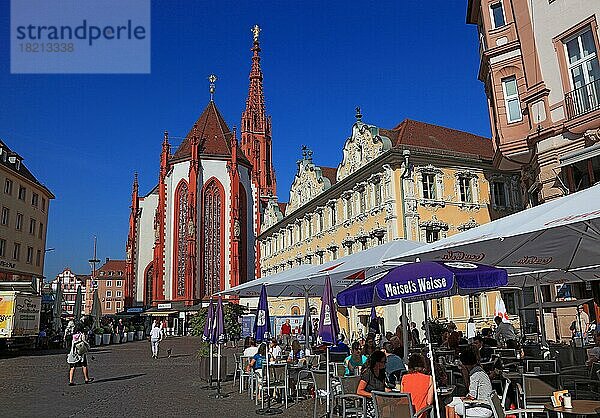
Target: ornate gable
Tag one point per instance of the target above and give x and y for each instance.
(309, 182)
(364, 145)
(271, 215)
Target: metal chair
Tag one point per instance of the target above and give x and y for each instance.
(541, 366)
(351, 403)
(279, 380)
(534, 392)
(241, 364)
(320, 382)
(498, 408)
(396, 405)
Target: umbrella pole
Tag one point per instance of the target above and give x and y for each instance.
(431, 360)
(328, 383)
(538, 289)
(210, 366)
(580, 328)
(404, 330)
(306, 322)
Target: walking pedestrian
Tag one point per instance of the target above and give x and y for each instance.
(156, 334)
(120, 328)
(286, 334)
(77, 356)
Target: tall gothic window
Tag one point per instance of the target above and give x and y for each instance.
(243, 246)
(181, 235)
(149, 276)
(212, 203)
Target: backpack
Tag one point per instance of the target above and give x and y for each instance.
(82, 347)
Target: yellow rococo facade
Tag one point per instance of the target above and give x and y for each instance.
(417, 181)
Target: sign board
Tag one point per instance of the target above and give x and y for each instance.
(164, 305)
(19, 314)
(135, 310)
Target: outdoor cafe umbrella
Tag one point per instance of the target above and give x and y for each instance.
(78, 302)
(218, 337)
(422, 281)
(96, 311)
(58, 308)
(207, 336)
(561, 234)
(329, 331)
(262, 323)
(262, 333)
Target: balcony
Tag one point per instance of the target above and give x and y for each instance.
(583, 100)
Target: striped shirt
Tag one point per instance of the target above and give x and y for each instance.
(480, 386)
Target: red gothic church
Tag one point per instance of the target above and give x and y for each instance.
(194, 233)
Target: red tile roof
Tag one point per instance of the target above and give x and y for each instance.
(213, 134)
(425, 135)
(114, 265)
(330, 173)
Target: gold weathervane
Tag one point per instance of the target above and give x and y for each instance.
(212, 78)
(255, 31)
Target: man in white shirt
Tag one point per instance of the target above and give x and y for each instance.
(274, 350)
(156, 334)
(505, 332)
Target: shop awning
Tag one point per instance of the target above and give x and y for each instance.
(558, 304)
(158, 313)
(580, 155)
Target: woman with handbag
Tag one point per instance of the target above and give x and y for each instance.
(77, 356)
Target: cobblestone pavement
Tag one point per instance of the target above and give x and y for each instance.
(128, 382)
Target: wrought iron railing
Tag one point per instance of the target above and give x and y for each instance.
(583, 99)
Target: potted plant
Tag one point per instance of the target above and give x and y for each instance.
(116, 338)
(98, 336)
(130, 333)
(106, 336)
(140, 332)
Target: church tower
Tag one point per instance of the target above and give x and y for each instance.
(256, 128)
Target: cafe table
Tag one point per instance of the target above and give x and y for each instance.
(581, 407)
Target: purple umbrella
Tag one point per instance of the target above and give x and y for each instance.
(329, 328)
(219, 327)
(207, 333)
(421, 281)
(262, 323)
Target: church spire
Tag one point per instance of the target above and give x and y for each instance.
(256, 126)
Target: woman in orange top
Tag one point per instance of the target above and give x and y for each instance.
(417, 383)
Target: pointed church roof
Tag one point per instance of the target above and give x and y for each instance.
(213, 135)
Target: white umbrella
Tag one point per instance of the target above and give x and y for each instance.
(561, 234)
(309, 280)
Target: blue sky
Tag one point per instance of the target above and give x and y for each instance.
(85, 135)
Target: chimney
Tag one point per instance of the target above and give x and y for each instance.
(107, 260)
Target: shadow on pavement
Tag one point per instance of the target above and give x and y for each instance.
(117, 378)
(177, 355)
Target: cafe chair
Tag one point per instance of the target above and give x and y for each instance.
(541, 366)
(396, 405)
(351, 403)
(498, 410)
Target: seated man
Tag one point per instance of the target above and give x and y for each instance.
(395, 365)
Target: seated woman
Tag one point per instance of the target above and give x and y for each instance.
(417, 383)
(296, 354)
(256, 362)
(355, 361)
(373, 378)
(480, 386)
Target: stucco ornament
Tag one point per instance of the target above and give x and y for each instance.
(236, 228)
(364, 145)
(308, 183)
(271, 215)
